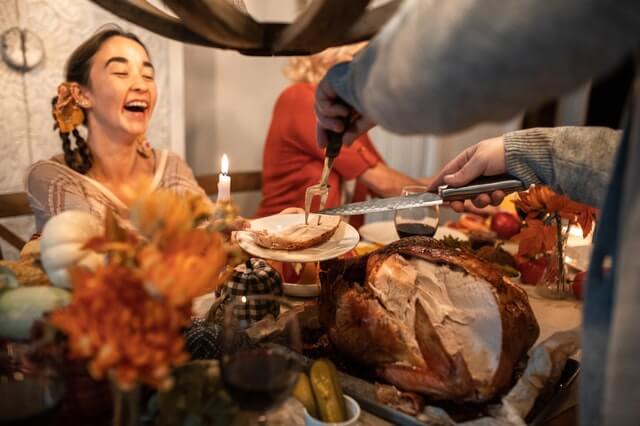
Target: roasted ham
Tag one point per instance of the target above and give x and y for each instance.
(299, 236)
(431, 319)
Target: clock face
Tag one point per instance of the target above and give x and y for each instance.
(22, 49)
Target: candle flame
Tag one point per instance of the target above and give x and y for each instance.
(224, 167)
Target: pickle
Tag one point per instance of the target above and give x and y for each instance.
(328, 391)
(303, 393)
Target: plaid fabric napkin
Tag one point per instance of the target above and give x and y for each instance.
(252, 278)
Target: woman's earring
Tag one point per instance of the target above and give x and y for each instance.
(143, 147)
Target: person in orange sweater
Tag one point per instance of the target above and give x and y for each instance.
(292, 160)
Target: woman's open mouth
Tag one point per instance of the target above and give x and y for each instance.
(138, 108)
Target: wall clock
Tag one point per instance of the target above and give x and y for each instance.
(22, 49)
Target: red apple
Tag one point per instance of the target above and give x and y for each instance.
(578, 284)
(505, 225)
(531, 269)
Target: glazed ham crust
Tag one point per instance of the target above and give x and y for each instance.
(433, 320)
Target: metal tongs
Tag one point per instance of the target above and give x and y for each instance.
(322, 189)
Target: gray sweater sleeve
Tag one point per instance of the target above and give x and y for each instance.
(576, 161)
(443, 65)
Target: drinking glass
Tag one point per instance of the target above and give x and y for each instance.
(418, 220)
(31, 391)
(260, 362)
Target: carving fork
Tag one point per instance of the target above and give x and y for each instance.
(322, 189)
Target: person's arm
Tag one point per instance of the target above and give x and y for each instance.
(359, 161)
(384, 181)
(440, 66)
(575, 161)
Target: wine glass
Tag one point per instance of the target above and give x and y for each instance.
(31, 390)
(418, 220)
(260, 357)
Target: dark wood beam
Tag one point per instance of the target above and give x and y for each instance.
(226, 25)
(371, 22)
(220, 22)
(141, 13)
(321, 24)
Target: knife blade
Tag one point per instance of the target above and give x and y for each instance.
(505, 183)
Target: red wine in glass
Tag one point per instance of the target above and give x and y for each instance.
(259, 379)
(415, 229)
(259, 373)
(416, 221)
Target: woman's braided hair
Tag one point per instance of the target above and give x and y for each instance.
(77, 70)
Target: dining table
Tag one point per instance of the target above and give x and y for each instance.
(553, 315)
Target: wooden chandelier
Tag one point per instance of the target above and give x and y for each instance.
(226, 24)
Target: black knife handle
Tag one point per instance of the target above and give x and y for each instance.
(481, 185)
(334, 145)
(335, 139)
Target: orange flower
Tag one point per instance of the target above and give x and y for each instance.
(161, 215)
(580, 214)
(535, 238)
(127, 316)
(543, 208)
(540, 200)
(66, 112)
(114, 321)
(190, 266)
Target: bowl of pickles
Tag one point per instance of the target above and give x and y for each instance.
(320, 392)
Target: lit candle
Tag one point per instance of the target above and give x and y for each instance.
(224, 180)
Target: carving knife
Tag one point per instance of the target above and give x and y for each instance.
(505, 183)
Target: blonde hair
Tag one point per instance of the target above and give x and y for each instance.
(311, 69)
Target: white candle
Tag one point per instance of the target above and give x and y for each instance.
(224, 180)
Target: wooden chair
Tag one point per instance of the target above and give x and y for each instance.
(15, 204)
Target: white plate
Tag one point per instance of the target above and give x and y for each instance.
(384, 232)
(344, 239)
(301, 290)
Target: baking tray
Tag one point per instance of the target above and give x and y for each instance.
(363, 391)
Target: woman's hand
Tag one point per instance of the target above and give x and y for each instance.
(485, 158)
(333, 114)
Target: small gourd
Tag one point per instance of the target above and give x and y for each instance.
(61, 246)
(21, 307)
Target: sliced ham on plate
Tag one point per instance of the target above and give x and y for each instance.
(299, 236)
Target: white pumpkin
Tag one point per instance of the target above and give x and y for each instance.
(61, 244)
(20, 307)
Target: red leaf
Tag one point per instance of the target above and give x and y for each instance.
(535, 238)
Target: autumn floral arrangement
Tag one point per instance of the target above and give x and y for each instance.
(127, 315)
(548, 219)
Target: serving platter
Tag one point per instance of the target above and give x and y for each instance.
(342, 241)
(384, 232)
(363, 390)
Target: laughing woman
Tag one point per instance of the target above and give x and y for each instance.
(110, 89)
